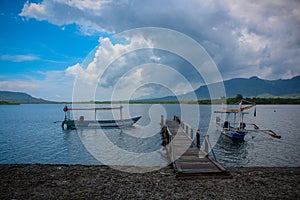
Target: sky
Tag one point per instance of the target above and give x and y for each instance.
(52, 48)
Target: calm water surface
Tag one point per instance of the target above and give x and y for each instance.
(33, 134)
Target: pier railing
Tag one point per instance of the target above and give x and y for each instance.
(167, 139)
(197, 137)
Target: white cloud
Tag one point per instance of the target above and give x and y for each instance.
(73, 70)
(16, 85)
(251, 40)
(150, 80)
(262, 35)
(19, 58)
(37, 11)
(268, 35)
(61, 12)
(86, 5)
(108, 63)
(106, 54)
(54, 85)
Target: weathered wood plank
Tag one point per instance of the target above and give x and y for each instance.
(188, 159)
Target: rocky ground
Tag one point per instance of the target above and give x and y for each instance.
(102, 182)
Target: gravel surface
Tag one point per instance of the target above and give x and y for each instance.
(21, 181)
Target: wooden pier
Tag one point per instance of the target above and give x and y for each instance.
(186, 155)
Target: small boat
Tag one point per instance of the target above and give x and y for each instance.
(233, 126)
(68, 123)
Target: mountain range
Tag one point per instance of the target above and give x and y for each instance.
(20, 97)
(247, 87)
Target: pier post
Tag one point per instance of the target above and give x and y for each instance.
(192, 133)
(206, 143)
(198, 138)
(121, 112)
(161, 121)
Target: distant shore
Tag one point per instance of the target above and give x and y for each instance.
(258, 101)
(34, 181)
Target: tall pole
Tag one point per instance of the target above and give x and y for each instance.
(121, 113)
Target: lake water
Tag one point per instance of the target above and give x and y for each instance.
(33, 134)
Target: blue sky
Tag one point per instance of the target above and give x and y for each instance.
(31, 49)
(43, 43)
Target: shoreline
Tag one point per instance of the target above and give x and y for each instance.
(60, 181)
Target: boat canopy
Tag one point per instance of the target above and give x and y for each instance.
(66, 108)
(236, 110)
(228, 111)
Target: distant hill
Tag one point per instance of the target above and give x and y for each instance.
(249, 87)
(20, 97)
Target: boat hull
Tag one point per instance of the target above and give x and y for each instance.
(74, 124)
(232, 133)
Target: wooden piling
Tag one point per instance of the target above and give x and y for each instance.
(198, 138)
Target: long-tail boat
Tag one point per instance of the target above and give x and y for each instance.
(68, 123)
(233, 126)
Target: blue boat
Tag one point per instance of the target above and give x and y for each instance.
(68, 123)
(235, 129)
(233, 125)
(232, 133)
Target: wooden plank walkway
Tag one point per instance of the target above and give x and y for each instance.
(188, 160)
